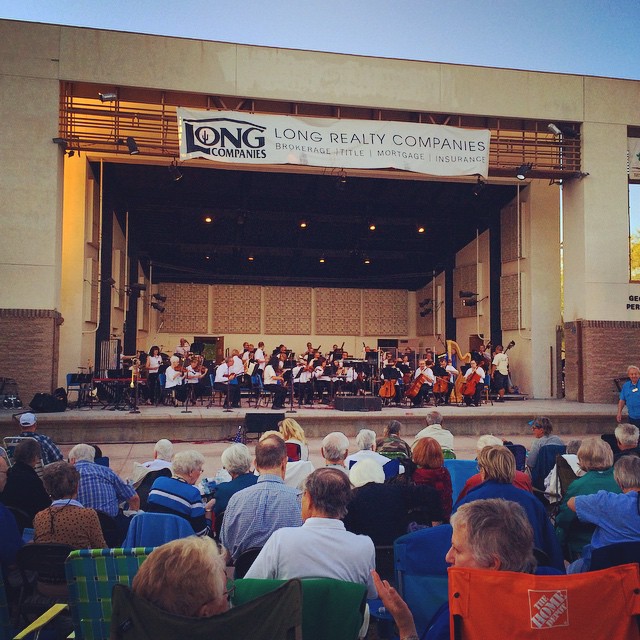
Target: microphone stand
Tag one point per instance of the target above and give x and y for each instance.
(186, 383)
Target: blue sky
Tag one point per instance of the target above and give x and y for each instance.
(592, 37)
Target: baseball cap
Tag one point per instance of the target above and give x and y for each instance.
(27, 419)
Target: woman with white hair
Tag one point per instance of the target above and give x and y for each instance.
(366, 441)
(178, 496)
(237, 460)
(174, 379)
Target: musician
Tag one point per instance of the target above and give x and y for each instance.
(391, 372)
(500, 372)
(440, 371)
(302, 381)
(260, 358)
(153, 364)
(474, 374)
(322, 378)
(453, 374)
(273, 382)
(174, 379)
(195, 372)
(226, 382)
(429, 379)
(182, 350)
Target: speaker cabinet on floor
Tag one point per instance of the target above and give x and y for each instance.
(358, 403)
(261, 422)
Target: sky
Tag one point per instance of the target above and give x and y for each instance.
(586, 37)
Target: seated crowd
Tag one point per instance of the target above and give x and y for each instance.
(294, 521)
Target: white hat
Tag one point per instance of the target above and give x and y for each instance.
(27, 420)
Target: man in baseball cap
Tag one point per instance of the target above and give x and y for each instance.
(50, 452)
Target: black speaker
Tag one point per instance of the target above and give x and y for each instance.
(358, 403)
(261, 422)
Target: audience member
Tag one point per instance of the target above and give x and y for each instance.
(366, 442)
(237, 460)
(543, 432)
(487, 534)
(335, 449)
(11, 538)
(292, 432)
(321, 547)
(391, 445)
(435, 430)
(596, 458)
(178, 496)
(24, 489)
(630, 397)
(297, 470)
(254, 513)
(101, 488)
(50, 452)
(162, 456)
(185, 577)
(616, 515)
(552, 485)
(627, 439)
(384, 511)
(521, 479)
(497, 468)
(429, 459)
(66, 521)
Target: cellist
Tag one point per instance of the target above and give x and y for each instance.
(422, 396)
(473, 384)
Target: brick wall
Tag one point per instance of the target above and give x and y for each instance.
(29, 342)
(608, 348)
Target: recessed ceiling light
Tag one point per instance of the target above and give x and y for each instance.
(303, 225)
(251, 258)
(421, 229)
(322, 260)
(372, 227)
(367, 261)
(208, 219)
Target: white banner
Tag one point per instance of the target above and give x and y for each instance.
(239, 137)
(633, 145)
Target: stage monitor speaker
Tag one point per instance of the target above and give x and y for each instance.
(358, 403)
(261, 422)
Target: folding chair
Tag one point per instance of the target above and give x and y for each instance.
(502, 604)
(10, 444)
(421, 571)
(460, 471)
(615, 554)
(544, 463)
(147, 482)
(275, 615)
(244, 561)
(332, 609)
(154, 529)
(520, 454)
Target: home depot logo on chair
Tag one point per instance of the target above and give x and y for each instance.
(548, 609)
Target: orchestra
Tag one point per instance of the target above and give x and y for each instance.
(313, 377)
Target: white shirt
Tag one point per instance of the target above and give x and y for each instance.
(258, 356)
(153, 363)
(501, 363)
(270, 376)
(174, 378)
(365, 453)
(452, 371)
(435, 431)
(427, 372)
(222, 373)
(237, 367)
(320, 548)
(479, 371)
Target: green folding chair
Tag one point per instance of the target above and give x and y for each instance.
(330, 608)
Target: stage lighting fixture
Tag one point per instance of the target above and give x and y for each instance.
(158, 307)
(478, 187)
(108, 281)
(467, 294)
(61, 142)
(159, 298)
(523, 170)
(132, 146)
(554, 129)
(109, 96)
(138, 286)
(174, 171)
(469, 302)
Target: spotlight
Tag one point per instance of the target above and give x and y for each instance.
(251, 258)
(554, 129)
(467, 294)
(109, 282)
(523, 170)
(426, 302)
(367, 261)
(61, 142)
(174, 171)
(469, 303)
(303, 225)
(159, 298)
(132, 146)
(108, 97)
(421, 229)
(158, 307)
(341, 183)
(208, 219)
(138, 286)
(322, 260)
(478, 187)
(372, 226)
(425, 313)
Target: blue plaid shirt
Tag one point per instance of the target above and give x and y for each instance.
(100, 488)
(50, 453)
(253, 514)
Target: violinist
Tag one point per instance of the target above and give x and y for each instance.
(425, 374)
(195, 372)
(273, 382)
(473, 384)
(227, 383)
(321, 369)
(175, 377)
(302, 381)
(260, 358)
(183, 349)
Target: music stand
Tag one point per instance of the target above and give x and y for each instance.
(186, 402)
(228, 402)
(134, 386)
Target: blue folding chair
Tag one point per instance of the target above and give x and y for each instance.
(460, 471)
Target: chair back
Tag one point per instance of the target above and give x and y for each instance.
(598, 604)
(294, 451)
(275, 615)
(460, 471)
(110, 530)
(391, 469)
(615, 554)
(520, 454)
(22, 518)
(47, 560)
(565, 475)
(448, 454)
(244, 561)
(154, 529)
(545, 461)
(91, 576)
(612, 441)
(331, 608)
(6, 630)
(421, 571)
(145, 485)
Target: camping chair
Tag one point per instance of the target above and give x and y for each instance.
(10, 444)
(502, 604)
(545, 461)
(460, 471)
(146, 483)
(275, 615)
(294, 451)
(520, 454)
(154, 529)
(615, 554)
(244, 561)
(421, 571)
(332, 609)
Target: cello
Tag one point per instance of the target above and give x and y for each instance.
(416, 385)
(388, 389)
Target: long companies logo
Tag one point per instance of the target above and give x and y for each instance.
(225, 138)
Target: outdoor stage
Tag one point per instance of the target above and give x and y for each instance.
(105, 426)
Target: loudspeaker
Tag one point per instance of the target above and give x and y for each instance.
(47, 403)
(358, 403)
(261, 422)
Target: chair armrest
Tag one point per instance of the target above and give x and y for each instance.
(40, 622)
